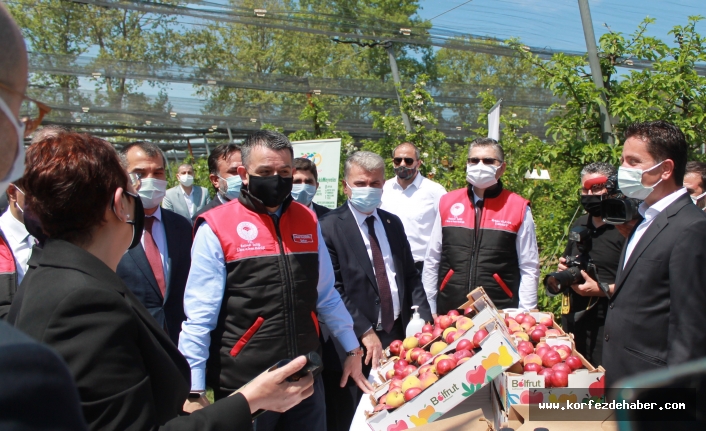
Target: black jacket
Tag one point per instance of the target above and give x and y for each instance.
(355, 278)
(320, 210)
(656, 316)
(128, 372)
(134, 269)
(38, 391)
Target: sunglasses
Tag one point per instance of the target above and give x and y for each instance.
(407, 160)
(33, 109)
(485, 160)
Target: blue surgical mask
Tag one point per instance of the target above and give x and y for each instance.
(365, 199)
(231, 189)
(630, 182)
(303, 193)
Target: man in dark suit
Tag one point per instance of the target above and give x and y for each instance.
(157, 271)
(375, 272)
(223, 165)
(305, 184)
(656, 315)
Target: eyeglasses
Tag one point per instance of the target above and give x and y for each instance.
(596, 189)
(407, 160)
(485, 160)
(33, 111)
(135, 180)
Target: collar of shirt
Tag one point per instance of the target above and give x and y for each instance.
(652, 211)
(360, 217)
(184, 191)
(417, 182)
(12, 228)
(476, 198)
(157, 214)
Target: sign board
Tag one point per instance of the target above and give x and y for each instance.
(326, 155)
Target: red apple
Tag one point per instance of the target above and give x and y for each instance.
(453, 313)
(445, 322)
(522, 346)
(529, 319)
(437, 331)
(563, 354)
(562, 367)
(415, 353)
(547, 373)
(424, 358)
(526, 326)
(541, 344)
(519, 318)
(395, 347)
(541, 351)
(451, 336)
(565, 348)
(400, 364)
(409, 369)
(395, 384)
(427, 328)
(428, 379)
(479, 336)
(468, 310)
(461, 361)
(390, 374)
(424, 369)
(542, 327)
(417, 335)
(553, 332)
(460, 354)
(537, 335)
(445, 366)
(532, 367)
(532, 358)
(551, 358)
(411, 393)
(574, 362)
(560, 379)
(425, 339)
(464, 344)
(547, 321)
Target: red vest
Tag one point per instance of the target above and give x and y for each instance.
(483, 255)
(8, 276)
(269, 303)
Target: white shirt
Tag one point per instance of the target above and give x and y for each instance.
(527, 256)
(384, 249)
(189, 197)
(19, 240)
(649, 214)
(416, 206)
(160, 238)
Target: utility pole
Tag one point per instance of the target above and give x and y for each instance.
(606, 128)
(396, 77)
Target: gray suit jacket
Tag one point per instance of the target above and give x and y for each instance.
(175, 201)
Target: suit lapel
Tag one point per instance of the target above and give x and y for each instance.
(395, 249)
(140, 258)
(172, 250)
(347, 227)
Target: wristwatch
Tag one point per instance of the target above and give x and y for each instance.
(358, 351)
(195, 395)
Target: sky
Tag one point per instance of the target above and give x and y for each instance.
(556, 24)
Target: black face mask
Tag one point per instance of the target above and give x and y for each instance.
(404, 173)
(272, 190)
(592, 204)
(138, 221)
(34, 226)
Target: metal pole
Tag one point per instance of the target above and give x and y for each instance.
(205, 144)
(230, 135)
(396, 77)
(606, 128)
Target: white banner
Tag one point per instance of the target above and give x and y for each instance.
(326, 155)
(494, 121)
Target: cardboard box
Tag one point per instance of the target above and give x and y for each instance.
(516, 387)
(496, 354)
(519, 420)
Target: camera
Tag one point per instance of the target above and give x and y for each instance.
(616, 208)
(558, 282)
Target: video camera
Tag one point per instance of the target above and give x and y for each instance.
(616, 208)
(560, 281)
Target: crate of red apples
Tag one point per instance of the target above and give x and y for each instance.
(551, 369)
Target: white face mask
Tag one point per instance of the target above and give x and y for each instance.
(365, 199)
(303, 193)
(696, 198)
(186, 180)
(630, 182)
(152, 192)
(481, 175)
(18, 165)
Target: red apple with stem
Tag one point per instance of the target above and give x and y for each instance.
(395, 347)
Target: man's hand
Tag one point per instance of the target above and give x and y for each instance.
(562, 264)
(353, 367)
(373, 346)
(270, 391)
(589, 287)
(191, 406)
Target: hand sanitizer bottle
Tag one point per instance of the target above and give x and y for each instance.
(416, 324)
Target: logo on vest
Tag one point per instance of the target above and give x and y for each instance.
(303, 239)
(456, 210)
(247, 231)
(501, 223)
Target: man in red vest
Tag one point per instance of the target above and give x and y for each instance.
(483, 236)
(260, 278)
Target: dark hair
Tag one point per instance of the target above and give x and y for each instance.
(409, 144)
(303, 164)
(487, 142)
(698, 168)
(152, 150)
(70, 182)
(221, 152)
(664, 141)
(599, 168)
(186, 164)
(268, 139)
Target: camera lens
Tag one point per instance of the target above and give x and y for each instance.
(557, 282)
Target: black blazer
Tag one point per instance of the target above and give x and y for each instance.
(214, 203)
(38, 391)
(657, 315)
(135, 271)
(355, 279)
(320, 210)
(129, 374)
